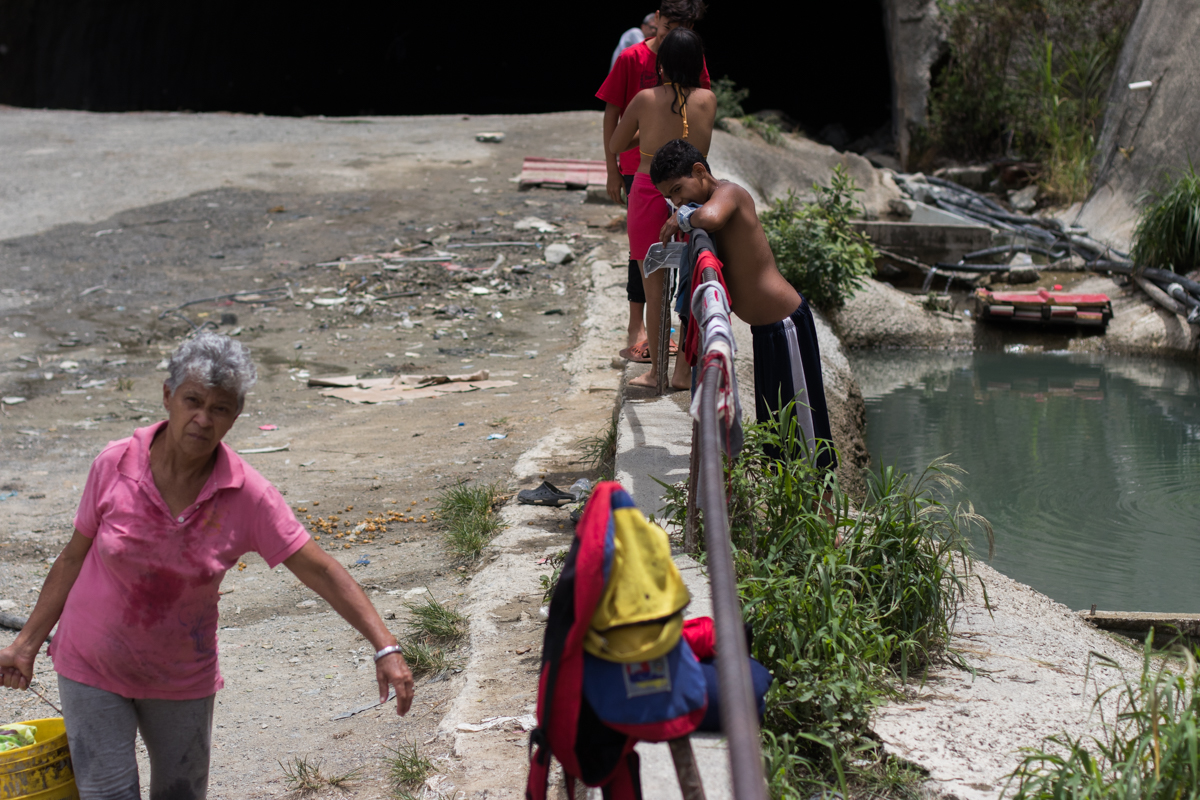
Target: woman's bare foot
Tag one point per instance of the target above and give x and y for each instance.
(648, 379)
(680, 385)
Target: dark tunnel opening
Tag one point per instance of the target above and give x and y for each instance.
(821, 63)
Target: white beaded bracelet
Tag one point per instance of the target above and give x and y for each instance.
(387, 651)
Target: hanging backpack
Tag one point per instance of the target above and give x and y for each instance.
(615, 669)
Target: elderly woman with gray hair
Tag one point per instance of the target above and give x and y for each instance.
(164, 514)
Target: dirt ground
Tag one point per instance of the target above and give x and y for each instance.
(89, 310)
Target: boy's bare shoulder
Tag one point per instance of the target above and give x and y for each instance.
(734, 192)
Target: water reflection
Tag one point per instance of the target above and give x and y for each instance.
(1088, 468)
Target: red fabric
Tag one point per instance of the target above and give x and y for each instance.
(691, 344)
(663, 731)
(701, 636)
(636, 69)
(648, 210)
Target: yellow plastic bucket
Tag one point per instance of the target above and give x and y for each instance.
(40, 771)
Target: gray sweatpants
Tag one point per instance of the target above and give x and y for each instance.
(101, 729)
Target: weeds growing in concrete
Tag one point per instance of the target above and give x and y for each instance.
(433, 621)
(843, 605)
(468, 518)
(1168, 229)
(305, 777)
(816, 247)
(1150, 741)
(424, 658)
(408, 768)
(600, 451)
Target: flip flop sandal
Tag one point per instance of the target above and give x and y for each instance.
(638, 353)
(545, 495)
(673, 348)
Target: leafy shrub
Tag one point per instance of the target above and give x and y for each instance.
(816, 248)
(841, 604)
(1148, 748)
(1168, 231)
(729, 98)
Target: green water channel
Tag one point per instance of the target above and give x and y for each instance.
(1088, 468)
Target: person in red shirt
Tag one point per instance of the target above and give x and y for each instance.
(636, 69)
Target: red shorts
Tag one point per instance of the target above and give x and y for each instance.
(647, 211)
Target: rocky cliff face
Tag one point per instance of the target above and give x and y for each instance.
(1147, 131)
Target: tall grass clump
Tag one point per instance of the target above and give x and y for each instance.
(468, 518)
(1149, 747)
(816, 248)
(842, 605)
(1168, 230)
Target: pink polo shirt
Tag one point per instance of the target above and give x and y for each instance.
(141, 619)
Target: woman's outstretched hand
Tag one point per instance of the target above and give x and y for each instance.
(393, 672)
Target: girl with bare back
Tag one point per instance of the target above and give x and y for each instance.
(675, 109)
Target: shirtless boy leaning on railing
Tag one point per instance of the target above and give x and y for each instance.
(787, 360)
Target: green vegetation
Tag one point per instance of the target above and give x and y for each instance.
(729, 106)
(600, 451)
(424, 658)
(1028, 78)
(408, 768)
(306, 778)
(432, 629)
(468, 518)
(729, 98)
(1148, 749)
(1168, 229)
(815, 246)
(842, 605)
(548, 582)
(432, 621)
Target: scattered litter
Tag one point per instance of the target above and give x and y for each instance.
(460, 425)
(523, 650)
(347, 714)
(11, 401)
(544, 612)
(268, 427)
(405, 388)
(363, 561)
(308, 463)
(306, 604)
(6, 496)
(527, 722)
(559, 254)
(480, 290)
(493, 137)
(534, 223)
(581, 488)
(551, 312)
(497, 436)
(415, 592)
(569, 173)
(91, 290)
(328, 301)
(253, 450)
(1140, 85)
(531, 353)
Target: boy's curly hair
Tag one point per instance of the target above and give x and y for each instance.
(682, 12)
(674, 160)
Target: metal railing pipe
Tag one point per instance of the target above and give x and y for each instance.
(739, 716)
